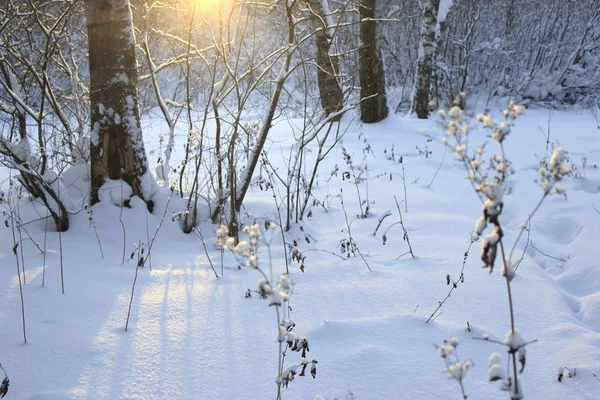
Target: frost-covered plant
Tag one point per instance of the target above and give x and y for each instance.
(456, 369)
(404, 231)
(348, 246)
(10, 212)
(487, 177)
(357, 174)
(565, 372)
(277, 295)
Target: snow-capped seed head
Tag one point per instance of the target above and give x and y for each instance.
(558, 164)
(494, 359)
(222, 232)
(252, 261)
(480, 226)
(445, 350)
(458, 370)
(263, 288)
(242, 249)
(288, 324)
(277, 298)
(229, 244)
(284, 282)
(508, 270)
(521, 354)
(441, 113)
(460, 151)
(560, 190)
(514, 339)
(452, 127)
(453, 341)
(290, 337)
(496, 372)
(456, 112)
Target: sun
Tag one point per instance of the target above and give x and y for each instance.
(212, 9)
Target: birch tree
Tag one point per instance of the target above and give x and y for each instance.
(420, 103)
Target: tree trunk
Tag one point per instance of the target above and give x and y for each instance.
(420, 104)
(330, 91)
(117, 147)
(373, 107)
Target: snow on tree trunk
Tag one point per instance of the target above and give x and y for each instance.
(373, 105)
(420, 104)
(117, 147)
(330, 91)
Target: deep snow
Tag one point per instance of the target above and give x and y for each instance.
(193, 336)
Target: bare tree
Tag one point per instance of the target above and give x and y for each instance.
(330, 91)
(373, 106)
(117, 147)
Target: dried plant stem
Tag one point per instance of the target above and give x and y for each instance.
(404, 228)
(548, 255)
(140, 262)
(148, 241)
(350, 231)
(98, 240)
(324, 251)
(462, 386)
(380, 221)
(513, 353)
(44, 252)
(287, 263)
(454, 284)
(60, 251)
(21, 244)
(404, 184)
(12, 226)
(438, 168)
(197, 230)
(122, 224)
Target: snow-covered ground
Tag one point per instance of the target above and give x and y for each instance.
(193, 336)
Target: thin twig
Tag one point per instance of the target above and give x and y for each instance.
(404, 183)
(563, 260)
(455, 284)
(44, 253)
(438, 168)
(405, 236)
(350, 231)
(206, 251)
(121, 221)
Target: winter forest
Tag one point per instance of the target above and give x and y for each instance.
(299, 199)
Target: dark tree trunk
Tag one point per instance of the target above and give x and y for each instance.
(117, 147)
(330, 92)
(420, 104)
(373, 105)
